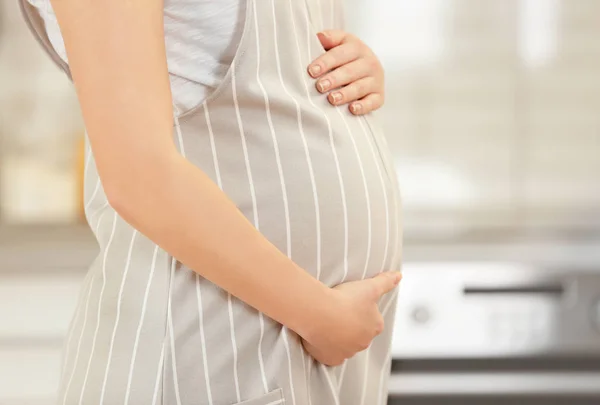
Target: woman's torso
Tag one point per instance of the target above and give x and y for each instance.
(317, 181)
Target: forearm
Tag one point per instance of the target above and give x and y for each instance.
(177, 206)
(117, 56)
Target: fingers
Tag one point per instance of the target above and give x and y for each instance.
(386, 282)
(353, 92)
(346, 74)
(334, 58)
(369, 103)
(332, 38)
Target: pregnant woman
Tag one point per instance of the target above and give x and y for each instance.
(244, 201)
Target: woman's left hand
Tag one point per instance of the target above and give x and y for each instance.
(349, 71)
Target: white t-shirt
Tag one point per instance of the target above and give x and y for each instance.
(195, 67)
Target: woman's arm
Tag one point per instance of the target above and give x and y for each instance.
(117, 57)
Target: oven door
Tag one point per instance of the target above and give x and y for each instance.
(516, 381)
(481, 333)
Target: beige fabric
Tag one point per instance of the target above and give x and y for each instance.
(317, 181)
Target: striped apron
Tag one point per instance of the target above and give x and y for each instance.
(315, 180)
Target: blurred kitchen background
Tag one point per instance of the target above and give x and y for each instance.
(493, 116)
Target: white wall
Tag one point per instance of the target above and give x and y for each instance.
(493, 109)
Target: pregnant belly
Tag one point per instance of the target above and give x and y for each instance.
(325, 195)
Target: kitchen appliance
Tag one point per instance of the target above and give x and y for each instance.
(496, 333)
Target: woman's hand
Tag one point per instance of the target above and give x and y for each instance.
(349, 71)
(355, 319)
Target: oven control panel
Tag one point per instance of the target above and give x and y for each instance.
(492, 309)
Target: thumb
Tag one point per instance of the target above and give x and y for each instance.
(331, 38)
(386, 282)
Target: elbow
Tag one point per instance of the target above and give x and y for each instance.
(130, 194)
(136, 192)
(121, 199)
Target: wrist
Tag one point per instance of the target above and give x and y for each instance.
(319, 316)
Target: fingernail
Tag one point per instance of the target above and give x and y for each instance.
(324, 34)
(356, 108)
(336, 97)
(314, 70)
(324, 85)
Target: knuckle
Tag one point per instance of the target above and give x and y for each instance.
(344, 72)
(326, 61)
(348, 37)
(362, 88)
(374, 63)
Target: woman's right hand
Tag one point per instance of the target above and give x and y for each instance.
(352, 321)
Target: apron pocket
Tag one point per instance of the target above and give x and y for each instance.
(274, 397)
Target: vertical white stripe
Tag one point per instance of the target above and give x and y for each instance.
(78, 351)
(229, 298)
(100, 221)
(271, 126)
(396, 245)
(337, 164)
(367, 194)
(310, 169)
(334, 393)
(302, 134)
(330, 132)
(256, 224)
(387, 364)
(244, 144)
(213, 147)
(260, 355)
(320, 10)
(385, 255)
(159, 373)
(88, 158)
(286, 343)
(396, 198)
(171, 334)
(368, 352)
(198, 292)
(304, 357)
(67, 347)
(76, 316)
(332, 11)
(139, 328)
(91, 200)
(179, 136)
(234, 347)
(99, 315)
(255, 214)
(341, 379)
(118, 317)
(309, 383)
(99, 210)
(203, 340)
(383, 188)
